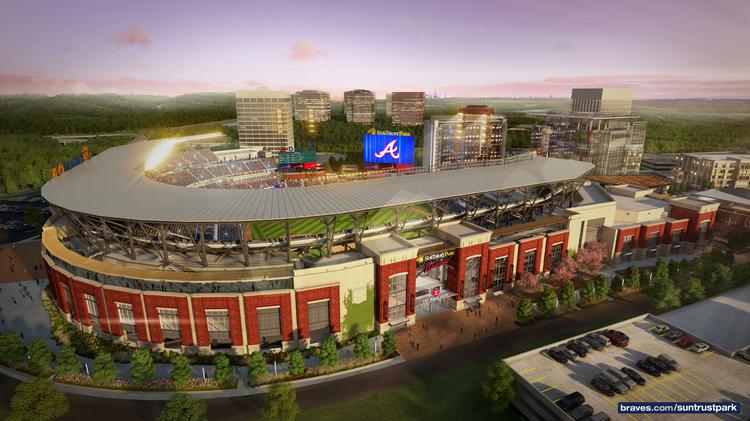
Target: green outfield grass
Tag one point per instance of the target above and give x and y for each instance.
(275, 230)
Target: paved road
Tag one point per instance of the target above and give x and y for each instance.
(412, 371)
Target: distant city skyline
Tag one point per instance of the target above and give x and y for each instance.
(543, 48)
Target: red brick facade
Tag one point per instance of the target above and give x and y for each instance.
(673, 226)
(382, 275)
(526, 245)
(648, 230)
(153, 302)
(112, 298)
(622, 233)
(552, 239)
(457, 269)
(253, 302)
(334, 308)
(696, 219)
(506, 251)
(229, 303)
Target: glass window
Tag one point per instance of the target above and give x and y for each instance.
(217, 320)
(676, 236)
(593, 227)
(627, 244)
(168, 318)
(125, 311)
(91, 308)
(529, 261)
(703, 230)
(501, 266)
(269, 325)
(471, 276)
(555, 255)
(69, 300)
(318, 321)
(397, 297)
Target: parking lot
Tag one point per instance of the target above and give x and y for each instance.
(707, 377)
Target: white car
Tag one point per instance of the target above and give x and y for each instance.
(699, 347)
(661, 329)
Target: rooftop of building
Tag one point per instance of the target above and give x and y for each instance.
(718, 156)
(591, 194)
(647, 181)
(727, 196)
(262, 93)
(114, 185)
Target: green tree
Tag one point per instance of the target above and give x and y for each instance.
(362, 347)
(693, 291)
(183, 407)
(37, 400)
(181, 371)
(389, 344)
(674, 268)
(329, 355)
(548, 301)
(568, 296)
(633, 278)
(11, 348)
(68, 363)
(104, 368)
(281, 403)
(523, 312)
(664, 293)
(32, 215)
(256, 365)
(601, 284)
(497, 386)
(296, 363)
(40, 357)
(721, 278)
(617, 283)
(142, 367)
(588, 292)
(222, 372)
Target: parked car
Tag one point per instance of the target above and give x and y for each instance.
(674, 335)
(602, 386)
(582, 412)
(745, 354)
(594, 343)
(572, 356)
(671, 362)
(556, 355)
(685, 342)
(623, 377)
(648, 368)
(661, 329)
(660, 365)
(613, 382)
(633, 375)
(571, 401)
(577, 348)
(584, 344)
(618, 338)
(699, 347)
(599, 337)
(600, 416)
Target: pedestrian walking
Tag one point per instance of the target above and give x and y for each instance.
(462, 330)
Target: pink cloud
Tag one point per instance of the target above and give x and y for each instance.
(645, 86)
(133, 35)
(305, 51)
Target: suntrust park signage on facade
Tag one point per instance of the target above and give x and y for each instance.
(435, 260)
(389, 147)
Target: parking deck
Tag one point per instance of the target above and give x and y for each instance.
(708, 377)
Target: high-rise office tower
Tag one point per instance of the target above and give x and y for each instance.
(407, 108)
(264, 119)
(612, 139)
(388, 104)
(312, 106)
(359, 106)
(476, 134)
(602, 100)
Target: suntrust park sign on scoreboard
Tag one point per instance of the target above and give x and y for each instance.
(389, 147)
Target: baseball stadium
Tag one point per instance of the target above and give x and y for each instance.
(201, 252)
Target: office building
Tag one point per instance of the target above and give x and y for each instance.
(612, 141)
(264, 119)
(407, 108)
(475, 135)
(712, 170)
(388, 104)
(312, 106)
(658, 164)
(359, 106)
(602, 100)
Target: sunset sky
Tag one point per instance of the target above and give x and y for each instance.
(662, 48)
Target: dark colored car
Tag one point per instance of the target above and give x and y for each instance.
(685, 342)
(597, 345)
(669, 361)
(618, 338)
(660, 364)
(582, 412)
(571, 401)
(557, 356)
(577, 348)
(649, 368)
(674, 335)
(602, 386)
(633, 375)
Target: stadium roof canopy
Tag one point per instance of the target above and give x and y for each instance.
(114, 185)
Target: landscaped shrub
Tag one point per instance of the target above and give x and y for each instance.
(11, 348)
(142, 367)
(296, 363)
(389, 344)
(39, 355)
(256, 364)
(362, 347)
(68, 363)
(104, 368)
(329, 355)
(181, 371)
(222, 372)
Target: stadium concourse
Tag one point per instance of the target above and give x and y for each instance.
(199, 269)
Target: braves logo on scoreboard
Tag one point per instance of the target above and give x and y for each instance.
(389, 148)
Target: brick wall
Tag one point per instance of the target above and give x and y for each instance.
(510, 266)
(334, 308)
(230, 303)
(646, 231)
(525, 246)
(695, 220)
(112, 296)
(384, 272)
(625, 232)
(252, 302)
(183, 312)
(457, 268)
(552, 239)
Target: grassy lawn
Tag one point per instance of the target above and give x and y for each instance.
(436, 398)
